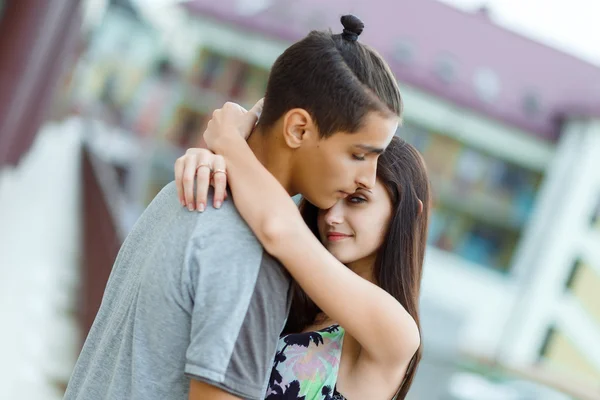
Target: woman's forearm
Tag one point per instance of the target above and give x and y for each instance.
(258, 196)
(367, 312)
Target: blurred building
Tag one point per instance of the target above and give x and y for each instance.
(509, 128)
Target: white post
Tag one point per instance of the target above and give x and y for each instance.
(553, 240)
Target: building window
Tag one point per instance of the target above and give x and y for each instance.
(596, 217)
(240, 81)
(481, 202)
(212, 67)
(487, 84)
(219, 77)
(403, 52)
(573, 275)
(446, 68)
(531, 104)
(544, 349)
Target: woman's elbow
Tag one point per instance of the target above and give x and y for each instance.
(404, 345)
(275, 232)
(410, 343)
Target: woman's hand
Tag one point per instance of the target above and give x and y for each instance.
(230, 120)
(204, 167)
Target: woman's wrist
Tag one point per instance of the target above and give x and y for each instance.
(223, 143)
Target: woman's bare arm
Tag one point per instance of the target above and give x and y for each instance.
(374, 318)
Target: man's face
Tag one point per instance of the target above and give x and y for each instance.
(330, 169)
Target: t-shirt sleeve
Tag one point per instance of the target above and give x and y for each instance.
(240, 303)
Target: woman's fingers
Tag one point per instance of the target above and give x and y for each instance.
(203, 168)
(219, 177)
(200, 168)
(191, 163)
(256, 110)
(203, 173)
(179, 165)
(249, 118)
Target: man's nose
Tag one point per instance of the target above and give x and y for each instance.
(367, 175)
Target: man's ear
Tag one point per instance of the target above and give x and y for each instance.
(298, 126)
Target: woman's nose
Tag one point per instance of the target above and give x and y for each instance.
(335, 215)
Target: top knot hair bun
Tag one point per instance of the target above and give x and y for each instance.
(353, 27)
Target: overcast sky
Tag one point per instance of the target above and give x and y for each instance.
(572, 26)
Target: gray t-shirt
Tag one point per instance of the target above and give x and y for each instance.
(191, 295)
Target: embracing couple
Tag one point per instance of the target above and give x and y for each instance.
(252, 297)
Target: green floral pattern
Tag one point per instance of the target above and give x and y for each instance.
(306, 366)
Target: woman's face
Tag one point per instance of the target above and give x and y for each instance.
(354, 228)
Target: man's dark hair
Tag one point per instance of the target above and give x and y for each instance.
(335, 78)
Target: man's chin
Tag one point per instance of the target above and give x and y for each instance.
(323, 203)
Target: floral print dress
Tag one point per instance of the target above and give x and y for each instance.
(306, 366)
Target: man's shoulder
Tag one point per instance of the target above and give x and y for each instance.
(168, 194)
(226, 217)
(166, 207)
(224, 230)
(212, 222)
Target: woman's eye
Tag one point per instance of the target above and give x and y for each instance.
(356, 200)
(359, 157)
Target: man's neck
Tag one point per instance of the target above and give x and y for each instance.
(275, 160)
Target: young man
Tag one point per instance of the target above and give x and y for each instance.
(194, 306)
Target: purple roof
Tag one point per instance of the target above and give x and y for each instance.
(538, 85)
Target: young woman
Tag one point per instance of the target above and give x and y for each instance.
(353, 330)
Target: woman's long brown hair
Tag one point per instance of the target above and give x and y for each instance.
(399, 263)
